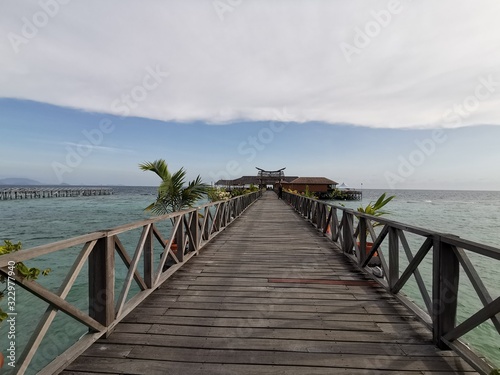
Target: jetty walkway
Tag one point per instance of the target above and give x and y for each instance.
(51, 192)
(269, 295)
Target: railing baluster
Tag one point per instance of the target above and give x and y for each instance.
(347, 223)
(180, 238)
(149, 259)
(102, 281)
(194, 242)
(446, 272)
(362, 240)
(393, 257)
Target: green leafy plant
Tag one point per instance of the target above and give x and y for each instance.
(338, 194)
(308, 193)
(218, 194)
(29, 273)
(375, 209)
(173, 193)
(253, 188)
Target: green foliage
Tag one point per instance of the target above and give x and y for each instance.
(29, 273)
(375, 208)
(339, 195)
(173, 194)
(238, 192)
(9, 247)
(495, 372)
(308, 193)
(217, 194)
(253, 188)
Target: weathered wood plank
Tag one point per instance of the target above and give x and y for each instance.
(149, 367)
(298, 359)
(339, 314)
(350, 307)
(333, 347)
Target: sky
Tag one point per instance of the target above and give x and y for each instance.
(399, 94)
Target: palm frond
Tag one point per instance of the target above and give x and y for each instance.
(173, 194)
(159, 167)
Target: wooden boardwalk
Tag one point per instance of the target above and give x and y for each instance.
(269, 296)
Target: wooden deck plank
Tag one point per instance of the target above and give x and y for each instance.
(269, 296)
(148, 367)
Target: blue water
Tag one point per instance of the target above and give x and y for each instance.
(473, 215)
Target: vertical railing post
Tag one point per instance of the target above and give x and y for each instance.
(195, 232)
(180, 237)
(393, 257)
(446, 273)
(362, 239)
(102, 281)
(314, 213)
(148, 259)
(347, 221)
(206, 227)
(217, 216)
(321, 217)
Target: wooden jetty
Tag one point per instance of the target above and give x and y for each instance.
(51, 192)
(347, 195)
(260, 291)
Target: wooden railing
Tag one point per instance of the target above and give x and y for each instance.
(189, 230)
(350, 229)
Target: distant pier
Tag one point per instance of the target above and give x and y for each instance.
(353, 195)
(346, 195)
(50, 192)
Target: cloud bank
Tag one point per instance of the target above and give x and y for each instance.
(396, 63)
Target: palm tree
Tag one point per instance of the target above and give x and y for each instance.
(173, 194)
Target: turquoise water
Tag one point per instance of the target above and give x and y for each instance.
(471, 215)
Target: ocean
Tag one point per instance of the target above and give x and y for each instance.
(472, 215)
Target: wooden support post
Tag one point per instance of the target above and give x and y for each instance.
(149, 259)
(362, 240)
(315, 214)
(446, 273)
(195, 232)
(347, 222)
(102, 281)
(206, 226)
(393, 257)
(180, 236)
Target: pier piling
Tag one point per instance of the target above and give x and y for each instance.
(50, 192)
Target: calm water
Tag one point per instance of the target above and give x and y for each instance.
(471, 215)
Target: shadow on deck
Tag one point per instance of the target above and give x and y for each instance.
(269, 296)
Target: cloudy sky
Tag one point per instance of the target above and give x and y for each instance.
(388, 94)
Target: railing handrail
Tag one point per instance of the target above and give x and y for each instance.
(477, 247)
(448, 255)
(190, 230)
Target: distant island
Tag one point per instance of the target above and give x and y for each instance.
(19, 182)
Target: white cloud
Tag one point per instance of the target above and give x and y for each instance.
(88, 147)
(428, 58)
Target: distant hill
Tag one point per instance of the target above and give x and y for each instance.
(19, 181)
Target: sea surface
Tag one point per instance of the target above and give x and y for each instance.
(472, 215)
